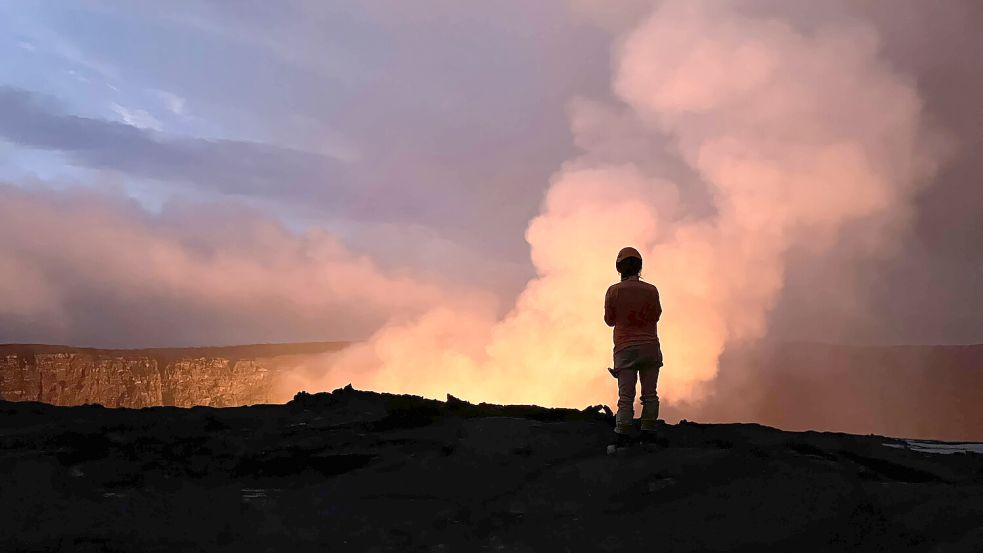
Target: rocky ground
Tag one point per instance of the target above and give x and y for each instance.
(360, 471)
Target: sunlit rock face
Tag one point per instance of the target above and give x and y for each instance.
(183, 377)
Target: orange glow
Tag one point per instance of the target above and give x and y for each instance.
(794, 135)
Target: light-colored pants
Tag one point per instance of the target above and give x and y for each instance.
(632, 364)
(626, 399)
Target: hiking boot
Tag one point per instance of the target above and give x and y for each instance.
(623, 423)
(622, 440)
(624, 428)
(652, 425)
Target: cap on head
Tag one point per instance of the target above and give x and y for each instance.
(625, 253)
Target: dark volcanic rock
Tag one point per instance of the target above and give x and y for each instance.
(361, 471)
(183, 377)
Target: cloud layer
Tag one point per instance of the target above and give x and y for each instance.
(84, 268)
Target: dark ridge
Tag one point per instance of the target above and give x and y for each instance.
(407, 411)
(354, 470)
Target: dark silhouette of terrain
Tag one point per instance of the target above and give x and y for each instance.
(362, 471)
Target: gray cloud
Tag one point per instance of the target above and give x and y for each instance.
(226, 166)
(457, 110)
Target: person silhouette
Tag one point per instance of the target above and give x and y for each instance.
(633, 308)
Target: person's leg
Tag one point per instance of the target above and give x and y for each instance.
(626, 400)
(649, 397)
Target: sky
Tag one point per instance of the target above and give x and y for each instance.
(423, 139)
(226, 172)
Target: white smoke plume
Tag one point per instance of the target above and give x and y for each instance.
(792, 134)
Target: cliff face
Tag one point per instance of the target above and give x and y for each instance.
(182, 377)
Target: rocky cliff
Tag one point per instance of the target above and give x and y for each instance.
(183, 377)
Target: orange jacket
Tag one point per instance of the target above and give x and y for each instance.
(632, 307)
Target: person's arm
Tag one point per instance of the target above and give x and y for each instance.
(658, 306)
(609, 307)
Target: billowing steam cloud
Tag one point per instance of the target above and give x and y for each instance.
(792, 135)
(72, 261)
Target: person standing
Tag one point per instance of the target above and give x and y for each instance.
(632, 307)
